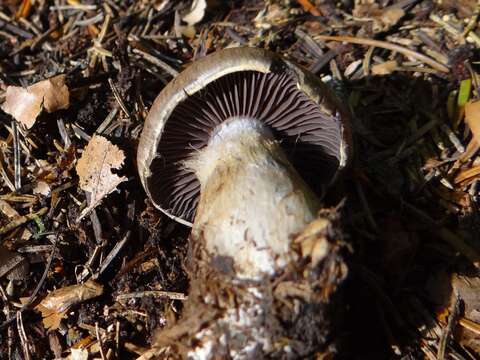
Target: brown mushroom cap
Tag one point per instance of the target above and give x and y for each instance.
(312, 127)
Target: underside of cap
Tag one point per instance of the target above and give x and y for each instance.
(301, 114)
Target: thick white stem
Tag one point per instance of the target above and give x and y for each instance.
(252, 200)
(252, 205)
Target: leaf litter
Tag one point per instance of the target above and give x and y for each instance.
(26, 104)
(94, 169)
(409, 70)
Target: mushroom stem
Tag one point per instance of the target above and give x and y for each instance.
(252, 205)
(252, 199)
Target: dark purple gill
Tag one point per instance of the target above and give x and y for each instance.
(311, 138)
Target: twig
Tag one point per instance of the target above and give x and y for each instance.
(22, 335)
(386, 45)
(470, 325)
(22, 220)
(16, 157)
(32, 297)
(4, 175)
(117, 96)
(447, 332)
(15, 30)
(155, 293)
(111, 115)
(112, 254)
(100, 342)
(308, 6)
(156, 61)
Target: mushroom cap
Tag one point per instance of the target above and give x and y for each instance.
(310, 123)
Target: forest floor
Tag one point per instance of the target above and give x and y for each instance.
(408, 72)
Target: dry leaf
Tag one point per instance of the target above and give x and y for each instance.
(25, 104)
(384, 68)
(56, 304)
(196, 13)
(313, 241)
(95, 170)
(472, 117)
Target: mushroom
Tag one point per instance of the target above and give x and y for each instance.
(222, 147)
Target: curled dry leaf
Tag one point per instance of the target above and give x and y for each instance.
(25, 104)
(313, 240)
(95, 170)
(472, 117)
(196, 13)
(57, 303)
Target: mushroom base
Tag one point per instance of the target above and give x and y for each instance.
(295, 314)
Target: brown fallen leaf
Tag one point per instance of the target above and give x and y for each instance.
(25, 104)
(384, 68)
(56, 304)
(95, 170)
(472, 117)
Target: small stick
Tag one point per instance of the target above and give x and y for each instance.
(112, 254)
(22, 335)
(16, 155)
(447, 332)
(111, 115)
(116, 94)
(100, 343)
(470, 325)
(156, 61)
(15, 30)
(308, 6)
(155, 293)
(393, 47)
(22, 220)
(32, 297)
(4, 175)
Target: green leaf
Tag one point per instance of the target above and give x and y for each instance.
(464, 92)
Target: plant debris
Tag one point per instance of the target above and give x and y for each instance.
(56, 304)
(25, 104)
(94, 169)
(408, 70)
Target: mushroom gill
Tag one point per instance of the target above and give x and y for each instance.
(309, 136)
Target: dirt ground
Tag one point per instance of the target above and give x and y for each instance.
(407, 69)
